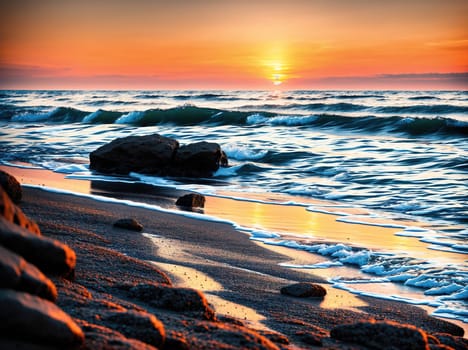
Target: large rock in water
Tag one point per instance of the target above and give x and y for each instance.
(145, 154)
(199, 159)
(159, 155)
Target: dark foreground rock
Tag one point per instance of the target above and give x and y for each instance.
(129, 224)
(457, 343)
(192, 200)
(159, 155)
(382, 335)
(31, 318)
(16, 273)
(12, 213)
(49, 255)
(11, 186)
(304, 290)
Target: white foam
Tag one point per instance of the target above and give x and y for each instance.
(92, 116)
(429, 210)
(226, 172)
(335, 195)
(241, 152)
(359, 258)
(20, 166)
(416, 232)
(322, 265)
(33, 117)
(154, 180)
(130, 118)
(362, 221)
(324, 211)
(403, 277)
(460, 247)
(462, 294)
(72, 168)
(281, 120)
(447, 289)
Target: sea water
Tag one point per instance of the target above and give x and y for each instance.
(383, 158)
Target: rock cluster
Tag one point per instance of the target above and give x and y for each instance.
(111, 300)
(158, 155)
(27, 295)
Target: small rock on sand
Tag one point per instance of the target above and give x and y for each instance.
(192, 200)
(304, 290)
(129, 224)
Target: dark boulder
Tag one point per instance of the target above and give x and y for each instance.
(157, 155)
(304, 290)
(150, 154)
(192, 200)
(16, 273)
(12, 213)
(199, 159)
(11, 186)
(129, 224)
(382, 335)
(28, 317)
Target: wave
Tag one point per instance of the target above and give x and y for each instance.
(413, 126)
(357, 96)
(192, 115)
(427, 97)
(205, 96)
(60, 114)
(423, 109)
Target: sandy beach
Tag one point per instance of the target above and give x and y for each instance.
(240, 278)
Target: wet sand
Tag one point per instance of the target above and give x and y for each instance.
(239, 277)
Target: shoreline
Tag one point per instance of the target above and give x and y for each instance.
(165, 197)
(249, 274)
(207, 259)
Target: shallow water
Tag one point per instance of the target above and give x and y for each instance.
(396, 161)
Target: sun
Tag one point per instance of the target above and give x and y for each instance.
(277, 76)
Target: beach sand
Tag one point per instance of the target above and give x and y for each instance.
(239, 277)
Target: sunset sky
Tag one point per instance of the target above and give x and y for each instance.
(216, 44)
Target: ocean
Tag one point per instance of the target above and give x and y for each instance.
(392, 159)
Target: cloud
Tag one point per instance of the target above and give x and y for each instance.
(19, 71)
(431, 81)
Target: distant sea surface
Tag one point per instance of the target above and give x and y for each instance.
(401, 154)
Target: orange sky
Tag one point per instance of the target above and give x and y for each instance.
(211, 44)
